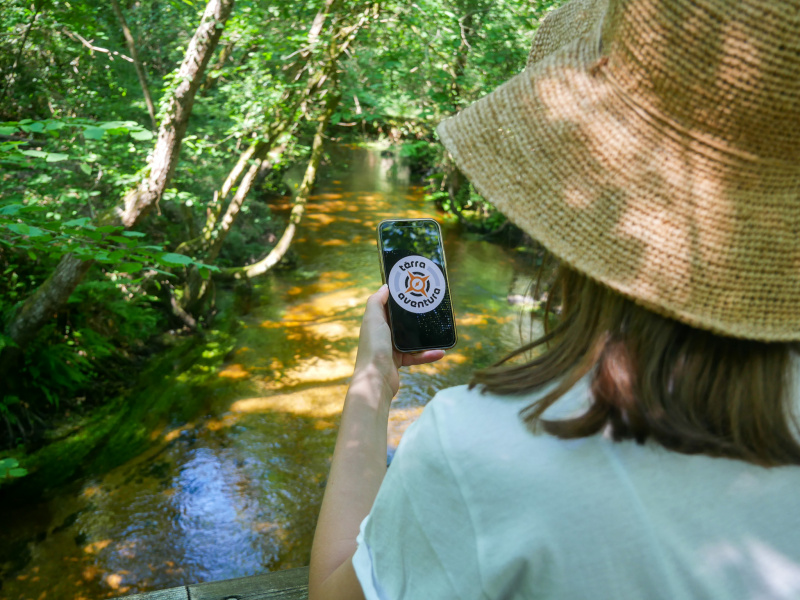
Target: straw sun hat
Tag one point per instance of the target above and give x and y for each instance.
(654, 145)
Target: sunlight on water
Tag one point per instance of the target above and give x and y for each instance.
(235, 491)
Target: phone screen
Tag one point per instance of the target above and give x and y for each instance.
(420, 310)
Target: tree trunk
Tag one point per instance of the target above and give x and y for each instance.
(467, 30)
(54, 292)
(260, 149)
(39, 309)
(216, 240)
(300, 199)
(136, 62)
(69, 272)
(314, 33)
(176, 114)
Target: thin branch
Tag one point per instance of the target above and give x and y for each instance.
(88, 43)
(464, 31)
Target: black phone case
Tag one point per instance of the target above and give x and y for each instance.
(418, 327)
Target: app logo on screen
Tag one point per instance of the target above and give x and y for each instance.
(417, 284)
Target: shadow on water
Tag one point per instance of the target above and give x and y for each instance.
(235, 490)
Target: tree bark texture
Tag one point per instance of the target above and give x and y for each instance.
(37, 310)
(52, 294)
(216, 238)
(176, 114)
(136, 62)
(312, 39)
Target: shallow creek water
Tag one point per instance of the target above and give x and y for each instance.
(235, 491)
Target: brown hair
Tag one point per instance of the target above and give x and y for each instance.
(690, 390)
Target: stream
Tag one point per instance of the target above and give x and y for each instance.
(235, 490)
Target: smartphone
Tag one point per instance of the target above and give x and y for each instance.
(413, 264)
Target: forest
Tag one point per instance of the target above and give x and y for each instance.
(159, 161)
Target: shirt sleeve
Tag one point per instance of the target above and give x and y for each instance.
(419, 540)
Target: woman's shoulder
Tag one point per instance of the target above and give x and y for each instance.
(484, 436)
(470, 414)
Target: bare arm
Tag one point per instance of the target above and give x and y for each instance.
(359, 459)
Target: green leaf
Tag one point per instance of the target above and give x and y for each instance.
(170, 258)
(11, 209)
(34, 127)
(120, 240)
(8, 130)
(56, 157)
(36, 232)
(7, 342)
(93, 133)
(9, 467)
(142, 135)
(55, 125)
(129, 267)
(76, 222)
(118, 124)
(86, 168)
(133, 234)
(34, 153)
(18, 228)
(168, 274)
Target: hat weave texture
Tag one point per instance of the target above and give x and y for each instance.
(654, 145)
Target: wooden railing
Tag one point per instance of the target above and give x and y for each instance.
(291, 584)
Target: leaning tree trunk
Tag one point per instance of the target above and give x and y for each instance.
(259, 149)
(176, 114)
(214, 231)
(299, 203)
(55, 291)
(38, 309)
(136, 62)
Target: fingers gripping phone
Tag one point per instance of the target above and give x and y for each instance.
(413, 265)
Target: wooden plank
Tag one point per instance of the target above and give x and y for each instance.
(178, 593)
(291, 584)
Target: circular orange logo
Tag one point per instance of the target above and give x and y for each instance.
(416, 284)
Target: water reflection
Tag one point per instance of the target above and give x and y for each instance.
(236, 490)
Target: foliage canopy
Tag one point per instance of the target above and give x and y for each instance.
(76, 137)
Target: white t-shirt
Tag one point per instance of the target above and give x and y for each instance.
(475, 506)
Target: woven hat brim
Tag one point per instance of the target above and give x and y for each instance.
(646, 209)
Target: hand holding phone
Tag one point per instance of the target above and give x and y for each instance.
(413, 265)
